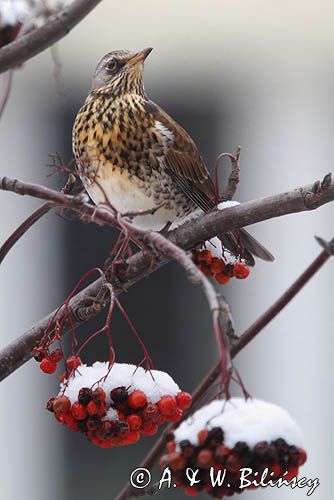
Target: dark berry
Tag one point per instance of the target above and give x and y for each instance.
(85, 395)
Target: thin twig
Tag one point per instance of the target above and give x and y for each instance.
(233, 179)
(31, 220)
(220, 311)
(240, 344)
(39, 39)
(6, 86)
(23, 228)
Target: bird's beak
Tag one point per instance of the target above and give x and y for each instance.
(139, 57)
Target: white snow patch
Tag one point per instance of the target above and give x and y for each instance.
(13, 11)
(227, 204)
(111, 415)
(154, 383)
(215, 245)
(250, 421)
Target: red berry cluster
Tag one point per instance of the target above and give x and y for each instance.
(133, 415)
(217, 267)
(48, 361)
(277, 456)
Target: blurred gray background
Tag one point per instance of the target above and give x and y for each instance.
(255, 73)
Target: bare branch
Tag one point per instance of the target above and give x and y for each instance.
(6, 86)
(140, 266)
(31, 220)
(35, 41)
(153, 455)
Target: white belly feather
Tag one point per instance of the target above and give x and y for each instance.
(125, 197)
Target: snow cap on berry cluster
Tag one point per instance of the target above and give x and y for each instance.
(251, 421)
(13, 12)
(153, 383)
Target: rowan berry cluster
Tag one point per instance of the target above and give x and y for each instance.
(221, 270)
(48, 361)
(119, 416)
(225, 437)
(211, 452)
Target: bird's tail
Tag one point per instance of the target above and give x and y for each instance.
(242, 243)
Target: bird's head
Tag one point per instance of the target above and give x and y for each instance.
(121, 72)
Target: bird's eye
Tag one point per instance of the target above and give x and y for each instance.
(112, 65)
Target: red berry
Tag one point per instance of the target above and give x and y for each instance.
(137, 399)
(205, 458)
(167, 405)
(92, 408)
(276, 469)
(107, 430)
(68, 420)
(149, 429)
(131, 438)
(93, 423)
(201, 436)
(99, 394)
(221, 454)
(79, 411)
(190, 490)
(73, 362)
(240, 271)
(183, 400)
(159, 419)
(48, 366)
(205, 257)
(222, 279)
(134, 421)
(49, 405)
(122, 429)
(292, 472)
(205, 270)
(217, 265)
(56, 355)
(174, 417)
(176, 461)
(61, 404)
(303, 456)
(150, 412)
(171, 446)
(101, 409)
(232, 463)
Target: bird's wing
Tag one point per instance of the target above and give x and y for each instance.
(183, 161)
(187, 168)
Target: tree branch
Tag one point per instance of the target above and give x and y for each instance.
(35, 41)
(139, 266)
(153, 455)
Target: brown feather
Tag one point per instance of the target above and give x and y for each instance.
(184, 163)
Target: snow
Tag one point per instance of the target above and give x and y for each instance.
(250, 421)
(13, 11)
(154, 383)
(227, 204)
(111, 415)
(215, 245)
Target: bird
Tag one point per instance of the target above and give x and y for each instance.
(131, 155)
